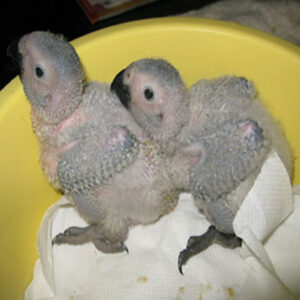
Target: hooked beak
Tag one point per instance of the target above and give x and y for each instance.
(121, 89)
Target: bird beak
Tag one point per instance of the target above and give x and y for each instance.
(121, 89)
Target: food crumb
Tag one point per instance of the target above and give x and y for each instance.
(230, 292)
(179, 293)
(205, 289)
(142, 279)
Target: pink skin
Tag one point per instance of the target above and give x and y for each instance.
(58, 92)
(138, 82)
(161, 118)
(117, 136)
(247, 129)
(51, 154)
(55, 101)
(50, 158)
(29, 56)
(76, 118)
(193, 154)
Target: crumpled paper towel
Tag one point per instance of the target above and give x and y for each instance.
(269, 270)
(278, 17)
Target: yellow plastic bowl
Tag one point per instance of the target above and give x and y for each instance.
(198, 48)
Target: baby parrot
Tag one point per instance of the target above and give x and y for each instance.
(91, 147)
(52, 78)
(115, 176)
(217, 132)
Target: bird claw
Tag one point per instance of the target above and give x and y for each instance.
(124, 247)
(197, 244)
(183, 257)
(56, 239)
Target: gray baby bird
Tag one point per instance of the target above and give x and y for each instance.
(91, 147)
(52, 79)
(217, 133)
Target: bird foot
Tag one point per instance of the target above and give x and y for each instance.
(81, 235)
(72, 235)
(197, 244)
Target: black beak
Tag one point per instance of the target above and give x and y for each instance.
(121, 89)
(14, 56)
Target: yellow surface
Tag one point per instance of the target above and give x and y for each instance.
(198, 48)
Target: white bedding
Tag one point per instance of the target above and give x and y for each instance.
(255, 271)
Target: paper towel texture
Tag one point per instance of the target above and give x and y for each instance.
(258, 270)
(278, 17)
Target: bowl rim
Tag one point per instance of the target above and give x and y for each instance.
(225, 28)
(173, 23)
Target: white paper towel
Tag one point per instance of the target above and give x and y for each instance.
(255, 271)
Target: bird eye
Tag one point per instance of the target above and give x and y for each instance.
(149, 94)
(39, 72)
